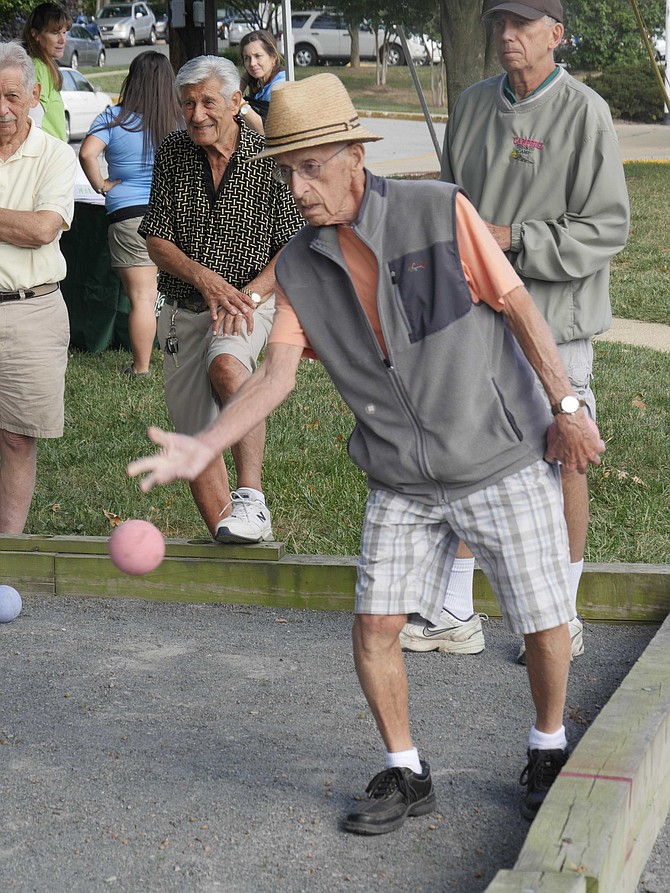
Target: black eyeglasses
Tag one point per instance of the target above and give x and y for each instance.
(308, 170)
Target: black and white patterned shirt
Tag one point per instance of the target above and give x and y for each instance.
(236, 231)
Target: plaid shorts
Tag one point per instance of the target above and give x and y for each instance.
(515, 528)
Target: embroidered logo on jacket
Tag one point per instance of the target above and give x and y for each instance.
(524, 150)
(415, 267)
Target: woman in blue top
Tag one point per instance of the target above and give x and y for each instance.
(262, 71)
(129, 134)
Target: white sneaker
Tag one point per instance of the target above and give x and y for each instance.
(576, 630)
(249, 522)
(450, 635)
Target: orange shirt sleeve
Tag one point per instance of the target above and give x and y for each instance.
(286, 328)
(488, 273)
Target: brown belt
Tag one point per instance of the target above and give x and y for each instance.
(24, 293)
(195, 304)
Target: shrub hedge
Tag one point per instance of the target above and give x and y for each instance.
(632, 91)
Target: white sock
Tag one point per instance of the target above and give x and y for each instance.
(547, 741)
(255, 494)
(458, 597)
(405, 758)
(575, 569)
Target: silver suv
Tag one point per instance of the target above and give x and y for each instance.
(321, 35)
(126, 23)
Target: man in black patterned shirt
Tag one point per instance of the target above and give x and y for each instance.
(214, 227)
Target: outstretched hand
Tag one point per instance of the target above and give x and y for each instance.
(181, 458)
(575, 442)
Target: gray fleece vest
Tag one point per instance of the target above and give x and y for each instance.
(454, 406)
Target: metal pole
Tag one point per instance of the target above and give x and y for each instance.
(666, 107)
(211, 37)
(650, 52)
(419, 92)
(288, 38)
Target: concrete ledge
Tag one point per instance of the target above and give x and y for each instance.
(203, 571)
(602, 815)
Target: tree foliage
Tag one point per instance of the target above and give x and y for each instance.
(605, 32)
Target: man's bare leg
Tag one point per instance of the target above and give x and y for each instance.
(405, 787)
(576, 509)
(548, 661)
(228, 375)
(548, 664)
(251, 518)
(18, 468)
(382, 675)
(211, 492)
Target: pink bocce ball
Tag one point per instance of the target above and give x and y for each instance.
(136, 547)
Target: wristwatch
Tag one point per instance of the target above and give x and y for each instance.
(567, 406)
(245, 108)
(255, 297)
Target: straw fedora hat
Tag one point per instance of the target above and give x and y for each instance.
(312, 112)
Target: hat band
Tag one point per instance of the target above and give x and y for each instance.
(301, 135)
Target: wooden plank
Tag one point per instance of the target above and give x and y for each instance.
(605, 810)
(28, 574)
(512, 881)
(618, 592)
(98, 545)
(279, 583)
(632, 593)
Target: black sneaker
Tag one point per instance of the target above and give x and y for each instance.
(539, 775)
(392, 795)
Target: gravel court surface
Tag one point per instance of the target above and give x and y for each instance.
(148, 747)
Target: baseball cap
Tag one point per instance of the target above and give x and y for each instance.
(530, 9)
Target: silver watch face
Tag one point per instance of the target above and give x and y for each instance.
(569, 404)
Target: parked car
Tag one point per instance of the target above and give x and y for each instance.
(127, 23)
(160, 12)
(83, 103)
(658, 43)
(89, 23)
(237, 27)
(322, 36)
(433, 50)
(224, 15)
(82, 48)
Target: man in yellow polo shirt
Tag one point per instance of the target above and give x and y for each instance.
(36, 205)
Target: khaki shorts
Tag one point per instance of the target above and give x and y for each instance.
(577, 358)
(34, 340)
(127, 247)
(190, 399)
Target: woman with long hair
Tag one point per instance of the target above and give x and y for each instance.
(44, 39)
(129, 134)
(262, 71)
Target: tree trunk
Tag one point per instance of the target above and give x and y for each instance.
(466, 47)
(355, 46)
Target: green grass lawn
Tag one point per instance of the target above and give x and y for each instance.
(641, 273)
